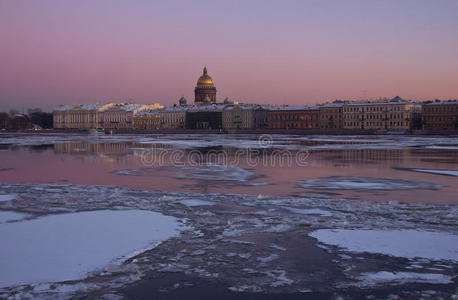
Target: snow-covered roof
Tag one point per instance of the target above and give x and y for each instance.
(147, 113)
(290, 108)
(175, 109)
(378, 103)
(244, 107)
(122, 106)
(197, 108)
(331, 105)
(442, 103)
(78, 106)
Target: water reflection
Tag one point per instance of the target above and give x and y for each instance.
(180, 169)
(86, 148)
(344, 155)
(166, 155)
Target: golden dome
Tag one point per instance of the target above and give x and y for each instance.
(205, 79)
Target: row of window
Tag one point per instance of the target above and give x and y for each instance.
(434, 118)
(372, 108)
(290, 124)
(442, 108)
(441, 125)
(374, 124)
(290, 117)
(330, 117)
(293, 125)
(373, 116)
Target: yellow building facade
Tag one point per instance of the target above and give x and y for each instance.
(390, 115)
(331, 115)
(109, 116)
(76, 116)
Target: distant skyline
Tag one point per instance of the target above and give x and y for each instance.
(270, 52)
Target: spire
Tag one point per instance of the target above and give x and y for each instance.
(205, 70)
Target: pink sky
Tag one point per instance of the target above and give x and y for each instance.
(285, 52)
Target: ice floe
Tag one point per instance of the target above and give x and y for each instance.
(267, 258)
(226, 173)
(400, 243)
(66, 246)
(442, 147)
(310, 211)
(436, 172)
(366, 183)
(6, 216)
(245, 288)
(135, 172)
(279, 278)
(196, 202)
(7, 197)
(384, 277)
(204, 172)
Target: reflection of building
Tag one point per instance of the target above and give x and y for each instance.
(440, 115)
(331, 115)
(76, 116)
(294, 117)
(353, 158)
(205, 91)
(364, 155)
(205, 117)
(85, 148)
(395, 114)
(244, 117)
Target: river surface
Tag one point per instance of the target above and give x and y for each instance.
(245, 164)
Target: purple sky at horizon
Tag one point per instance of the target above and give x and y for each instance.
(283, 52)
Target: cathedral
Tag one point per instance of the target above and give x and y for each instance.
(205, 91)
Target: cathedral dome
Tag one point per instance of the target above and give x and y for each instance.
(205, 91)
(205, 80)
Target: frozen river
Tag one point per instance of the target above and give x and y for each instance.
(316, 215)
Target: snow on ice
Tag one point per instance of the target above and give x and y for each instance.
(384, 277)
(6, 216)
(227, 173)
(401, 243)
(205, 172)
(7, 197)
(64, 247)
(196, 202)
(436, 172)
(310, 211)
(366, 183)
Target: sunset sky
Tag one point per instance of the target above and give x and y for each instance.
(285, 52)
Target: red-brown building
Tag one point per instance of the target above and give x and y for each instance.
(20, 122)
(294, 117)
(4, 121)
(440, 115)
